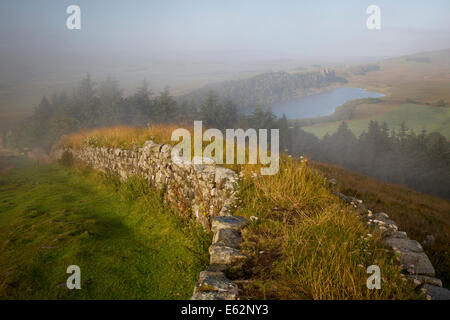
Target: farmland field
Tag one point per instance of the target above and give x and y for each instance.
(417, 117)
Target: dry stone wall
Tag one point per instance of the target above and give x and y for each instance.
(200, 190)
(224, 253)
(414, 261)
(204, 192)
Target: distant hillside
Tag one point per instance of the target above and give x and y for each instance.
(422, 77)
(416, 89)
(269, 88)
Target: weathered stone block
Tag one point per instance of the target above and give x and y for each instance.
(416, 263)
(436, 293)
(227, 237)
(399, 244)
(411, 256)
(399, 234)
(213, 295)
(226, 255)
(215, 281)
(421, 279)
(231, 222)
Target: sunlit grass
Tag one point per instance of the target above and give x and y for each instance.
(126, 242)
(120, 136)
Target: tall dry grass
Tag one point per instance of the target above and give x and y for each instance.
(416, 213)
(306, 244)
(120, 136)
(128, 137)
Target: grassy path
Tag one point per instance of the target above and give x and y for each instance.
(127, 246)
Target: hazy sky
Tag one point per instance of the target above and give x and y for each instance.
(224, 29)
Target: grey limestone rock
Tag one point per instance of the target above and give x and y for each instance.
(227, 237)
(421, 279)
(231, 222)
(222, 255)
(436, 293)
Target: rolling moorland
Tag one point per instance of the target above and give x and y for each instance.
(24, 78)
(285, 261)
(297, 262)
(289, 249)
(417, 93)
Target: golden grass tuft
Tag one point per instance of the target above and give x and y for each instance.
(119, 136)
(306, 244)
(292, 188)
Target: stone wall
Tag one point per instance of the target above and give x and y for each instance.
(224, 253)
(415, 263)
(204, 192)
(199, 190)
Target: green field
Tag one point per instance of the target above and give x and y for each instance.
(416, 117)
(126, 243)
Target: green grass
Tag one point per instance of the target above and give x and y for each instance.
(416, 117)
(126, 243)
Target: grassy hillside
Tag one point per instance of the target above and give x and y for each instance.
(303, 244)
(423, 77)
(126, 243)
(417, 117)
(416, 213)
(416, 88)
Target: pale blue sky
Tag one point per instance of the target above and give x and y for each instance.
(226, 28)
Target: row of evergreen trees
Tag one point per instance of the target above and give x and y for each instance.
(420, 161)
(91, 105)
(268, 88)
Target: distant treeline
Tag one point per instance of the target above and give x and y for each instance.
(93, 105)
(420, 161)
(364, 69)
(268, 88)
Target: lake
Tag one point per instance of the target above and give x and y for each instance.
(321, 104)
